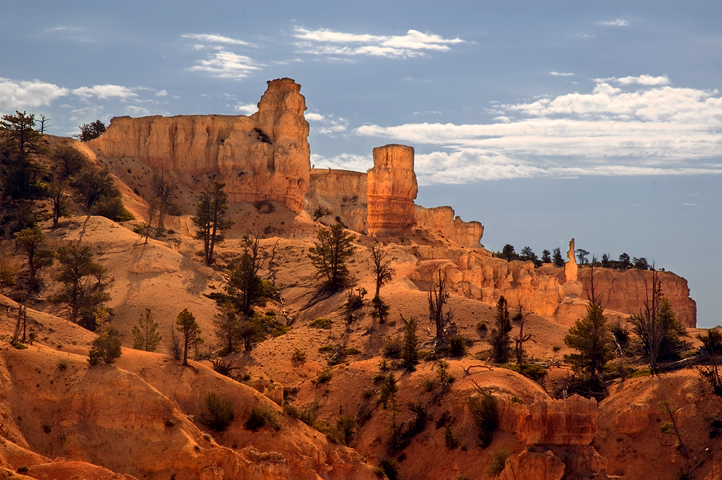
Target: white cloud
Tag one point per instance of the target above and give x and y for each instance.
(247, 109)
(161, 93)
(652, 131)
(329, 42)
(225, 64)
(314, 117)
(213, 38)
(135, 111)
(345, 161)
(615, 23)
(105, 92)
(28, 93)
(646, 80)
(557, 74)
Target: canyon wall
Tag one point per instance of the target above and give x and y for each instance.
(264, 156)
(443, 221)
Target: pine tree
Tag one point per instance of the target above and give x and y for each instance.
(145, 334)
(590, 336)
(37, 253)
(329, 255)
(21, 143)
(499, 338)
(228, 326)
(186, 324)
(210, 218)
(410, 349)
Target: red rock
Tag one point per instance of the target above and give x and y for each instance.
(392, 190)
(572, 421)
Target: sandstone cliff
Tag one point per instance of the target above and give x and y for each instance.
(261, 157)
(443, 221)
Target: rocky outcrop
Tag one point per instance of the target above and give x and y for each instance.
(443, 221)
(570, 267)
(265, 156)
(572, 421)
(343, 193)
(533, 465)
(392, 189)
(477, 274)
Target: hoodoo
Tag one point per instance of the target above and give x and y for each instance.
(392, 190)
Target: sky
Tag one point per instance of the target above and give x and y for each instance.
(599, 120)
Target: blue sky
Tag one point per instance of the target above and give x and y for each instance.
(542, 120)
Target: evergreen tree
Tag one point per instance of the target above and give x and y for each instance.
(106, 348)
(90, 131)
(590, 336)
(499, 338)
(558, 259)
(243, 282)
(20, 143)
(546, 256)
(37, 253)
(83, 281)
(67, 162)
(210, 218)
(145, 334)
(186, 324)
(228, 326)
(410, 349)
(329, 255)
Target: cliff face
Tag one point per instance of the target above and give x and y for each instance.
(343, 192)
(262, 157)
(476, 274)
(443, 221)
(392, 190)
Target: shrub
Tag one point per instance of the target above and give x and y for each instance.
(388, 390)
(484, 413)
(308, 415)
(106, 348)
(368, 393)
(393, 347)
(260, 418)
(497, 463)
(170, 423)
(556, 348)
(483, 328)
(345, 428)
(298, 356)
(326, 349)
(429, 385)
(221, 412)
(449, 440)
(324, 376)
(63, 365)
(457, 345)
(391, 469)
(324, 323)
(352, 351)
(23, 469)
(533, 372)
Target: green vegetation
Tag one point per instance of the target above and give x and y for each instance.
(330, 254)
(499, 338)
(484, 412)
(106, 348)
(324, 323)
(298, 356)
(324, 376)
(210, 218)
(497, 464)
(383, 272)
(261, 417)
(590, 337)
(145, 334)
(536, 373)
(90, 131)
(221, 412)
(410, 350)
(186, 324)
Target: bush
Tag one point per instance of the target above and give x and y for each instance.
(344, 429)
(324, 376)
(497, 464)
(112, 208)
(106, 348)
(393, 347)
(533, 372)
(23, 469)
(457, 345)
(298, 356)
(324, 323)
(391, 469)
(352, 351)
(63, 365)
(484, 413)
(221, 412)
(429, 385)
(308, 415)
(326, 349)
(260, 418)
(449, 440)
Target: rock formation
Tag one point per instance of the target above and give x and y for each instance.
(443, 221)
(265, 156)
(570, 267)
(572, 421)
(392, 189)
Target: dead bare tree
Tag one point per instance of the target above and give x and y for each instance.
(44, 122)
(519, 340)
(438, 298)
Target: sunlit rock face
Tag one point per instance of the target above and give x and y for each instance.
(392, 189)
(264, 156)
(443, 221)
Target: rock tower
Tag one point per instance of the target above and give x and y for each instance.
(392, 189)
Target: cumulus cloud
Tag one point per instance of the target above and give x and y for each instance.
(660, 130)
(105, 92)
(213, 38)
(332, 43)
(647, 80)
(226, 64)
(161, 93)
(314, 117)
(34, 93)
(615, 23)
(327, 124)
(246, 109)
(135, 111)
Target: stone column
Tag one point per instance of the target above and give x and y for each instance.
(392, 190)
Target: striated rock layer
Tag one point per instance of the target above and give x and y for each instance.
(392, 189)
(265, 156)
(443, 221)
